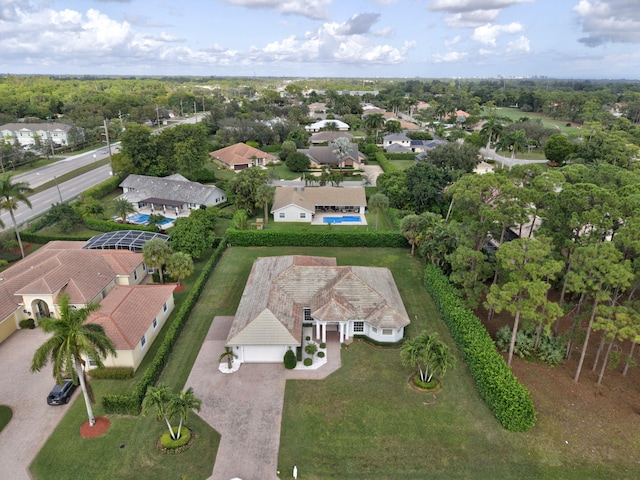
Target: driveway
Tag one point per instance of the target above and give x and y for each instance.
(26, 393)
(245, 407)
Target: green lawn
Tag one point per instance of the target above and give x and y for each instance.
(515, 114)
(5, 416)
(403, 164)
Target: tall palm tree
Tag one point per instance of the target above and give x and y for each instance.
(182, 404)
(158, 399)
(72, 342)
(155, 254)
(378, 202)
(11, 194)
(180, 266)
(264, 195)
(374, 122)
(493, 127)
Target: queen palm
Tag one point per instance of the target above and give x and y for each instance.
(11, 194)
(374, 122)
(72, 341)
(122, 207)
(181, 404)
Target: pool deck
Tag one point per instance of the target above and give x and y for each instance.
(318, 218)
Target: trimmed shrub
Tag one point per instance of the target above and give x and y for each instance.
(318, 238)
(308, 362)
(323, 345)
(114, 373)
(290, 360)
(167, 442)
(509, 400)
(28, 323)
(311, 349)
(104, 188)
(320, 354)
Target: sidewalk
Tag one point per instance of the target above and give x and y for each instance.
(245, 407)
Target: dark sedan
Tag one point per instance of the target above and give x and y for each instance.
(60, 394)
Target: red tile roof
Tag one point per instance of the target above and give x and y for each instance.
(240, 154)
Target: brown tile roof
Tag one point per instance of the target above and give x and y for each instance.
(240, 154)
(127, 312)
(278, 288)
(310, 198)
(65, 267)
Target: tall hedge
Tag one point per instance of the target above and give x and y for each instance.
(131, 404)
(104, 188)
(108, 226)
(320, 238)
(385, 164)
(509, 400)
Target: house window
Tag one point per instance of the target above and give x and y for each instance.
(144, 267)
(387, 331)
(143, 341)
(281, 215)
(374, 330)
(155, 323)
(92, 364)
(307, 315)
(135, 274)
(303, 215)
(164, 307)
(358, 327)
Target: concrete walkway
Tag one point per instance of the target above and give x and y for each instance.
(245, 407)
(26, 393)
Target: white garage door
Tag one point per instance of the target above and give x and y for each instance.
(264, 354)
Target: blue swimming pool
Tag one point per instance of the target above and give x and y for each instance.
(143, 219)
(343, 219)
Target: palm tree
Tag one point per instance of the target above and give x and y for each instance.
(264, 195)
(429, 354)
(182, 404)
(123, 207)
(180, 266)
(155, 254)
(229, 356)
(493, 127)
(374, 122)
(72, 342)
(377, 203)
(158, 399)
(515, 141)
(341, 149)
(412, 227)
(11, 194)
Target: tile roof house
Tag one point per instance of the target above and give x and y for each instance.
(400, 139)
(283, 292)
(31, 287)
(132, 316)
(131, 313)
(241, 156)
(299, 204)
(174, 192)
(321, 156)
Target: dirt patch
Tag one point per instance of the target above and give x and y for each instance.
(590, 423)
(101, 426)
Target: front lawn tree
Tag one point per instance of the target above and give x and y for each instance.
(157, 399)
(183, 403)
(72, 342)
(378, 202)
(156, 253)
(430, 355)
(264, 196)
(243, 187)
(11, 194)
(411, 228)
(297, 162)
(180, 266)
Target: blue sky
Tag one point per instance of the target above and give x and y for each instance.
(323, 38)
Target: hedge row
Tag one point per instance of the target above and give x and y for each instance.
(321, 238)
(41, 239)
(400, 156)
(130, 404)
(110, 226)
(385, 164)
(104, 188)
(509, 400)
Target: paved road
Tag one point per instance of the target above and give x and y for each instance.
(26, 393)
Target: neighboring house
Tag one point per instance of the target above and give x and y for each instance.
(324, 156)
(322, 124)
(299, 204)
(483, 167)
(174, 193)
(31, 287)
(282, 293)
(26, 133)
(419, 146)
(329, 137)
(241, 156)
(400, 139)
(132, 318)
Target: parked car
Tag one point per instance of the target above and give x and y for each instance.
(60, 394)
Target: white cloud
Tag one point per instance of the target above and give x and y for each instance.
(487, 34)
(473, 5)
(449, 57)
(520, 45)
(604, 21)
(359, 24)
(471, 19)
(453, 41)
(315, 9)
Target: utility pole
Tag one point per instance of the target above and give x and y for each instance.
(195, 111)
(106, 134)
(157, 116)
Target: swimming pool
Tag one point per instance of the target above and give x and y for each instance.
(143, 219)
(343, 219)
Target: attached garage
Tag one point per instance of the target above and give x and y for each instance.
(261, 353)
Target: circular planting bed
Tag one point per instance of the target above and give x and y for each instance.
(431, 387)
(172, 447)
(101, 426)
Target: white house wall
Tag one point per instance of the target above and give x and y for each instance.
(292, 213)
(261, 353)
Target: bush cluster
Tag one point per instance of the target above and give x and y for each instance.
(290, 360)
(320, 238)
(131, 404)
(113, 373)
(169, 443)
(400, 156)
(551, 350)
(27, 323)
(509, 400)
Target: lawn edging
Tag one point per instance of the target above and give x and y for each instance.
(131, 404)
(320, 238)
(509, 400)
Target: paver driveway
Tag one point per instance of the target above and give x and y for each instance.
(245, 407)
(26, 393)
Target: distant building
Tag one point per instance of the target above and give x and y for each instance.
(27, 133)
(322, 124)
(240, 156)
